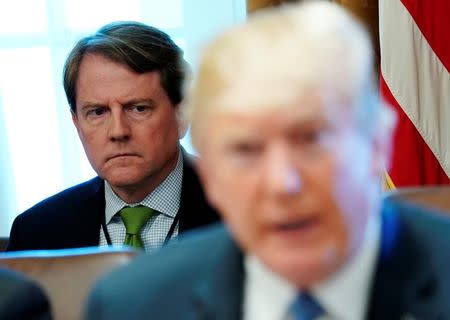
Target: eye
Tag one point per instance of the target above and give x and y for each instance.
(245, 151)
(140, 108)
(96, 112)
(246, 148)
(310, 136)
(303, 138)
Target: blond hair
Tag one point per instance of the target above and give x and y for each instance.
(281, 54)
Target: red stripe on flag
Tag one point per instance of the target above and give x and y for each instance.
(431, 16)
(413, 163)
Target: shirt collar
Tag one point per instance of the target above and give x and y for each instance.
(157, 199)
(352, 284)
(268, 296)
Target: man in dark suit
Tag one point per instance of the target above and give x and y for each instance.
(205, 276)
(21, 299)
(293, 142)
(124, 88)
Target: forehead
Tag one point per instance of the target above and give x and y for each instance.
(265, 119)
(98, 67)
(100, 78)
(260, 87)
(294, 102)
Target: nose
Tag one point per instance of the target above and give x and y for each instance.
(282, 175)
(119, 128)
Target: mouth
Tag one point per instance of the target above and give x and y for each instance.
(298, 226)
(120, 155)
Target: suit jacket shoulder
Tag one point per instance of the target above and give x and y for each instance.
(72, 218)
(68, 219)
(202, 276)
(195, 211)
(198, 278)
(412, 279)
(21, 299)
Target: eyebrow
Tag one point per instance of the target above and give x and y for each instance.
(307, 123)
(93, 105)
(133, 102)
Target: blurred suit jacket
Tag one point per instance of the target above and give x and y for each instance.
(21, 299)
(202, 277)
(72, 218)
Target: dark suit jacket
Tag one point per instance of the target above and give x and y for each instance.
(21, 299)
(72, 218)
(202, 277)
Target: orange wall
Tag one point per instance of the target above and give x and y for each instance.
(366, 10)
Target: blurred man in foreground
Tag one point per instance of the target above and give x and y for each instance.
(293, 141)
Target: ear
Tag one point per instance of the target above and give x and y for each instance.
(206, 175)
(182, 121)
(382, 151)
(202, 172)
(75, 121)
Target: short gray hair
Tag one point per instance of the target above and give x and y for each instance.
(140, 47)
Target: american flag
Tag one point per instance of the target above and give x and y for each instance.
(415, 80)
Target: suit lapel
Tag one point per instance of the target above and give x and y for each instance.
(194, 209)
(86, 216)
(218, 295)
(96, 210)
(404, 282)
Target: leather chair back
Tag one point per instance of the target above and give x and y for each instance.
(68, 275)
(437, 198)
(3, 243)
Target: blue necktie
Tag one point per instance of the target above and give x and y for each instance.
(305, 308)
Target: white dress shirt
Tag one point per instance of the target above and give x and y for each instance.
(344, 296)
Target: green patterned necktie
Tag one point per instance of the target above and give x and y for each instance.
(134, 219)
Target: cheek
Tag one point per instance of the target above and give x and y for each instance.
(242, 221)
(91, 142)
(320, 180)
(168, 122)
(235, 196)
(234, 193)
(352, 191)
(89, 135)
(171, 128)
(328, 187)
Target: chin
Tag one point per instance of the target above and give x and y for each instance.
(304, 268)
(123, 178)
